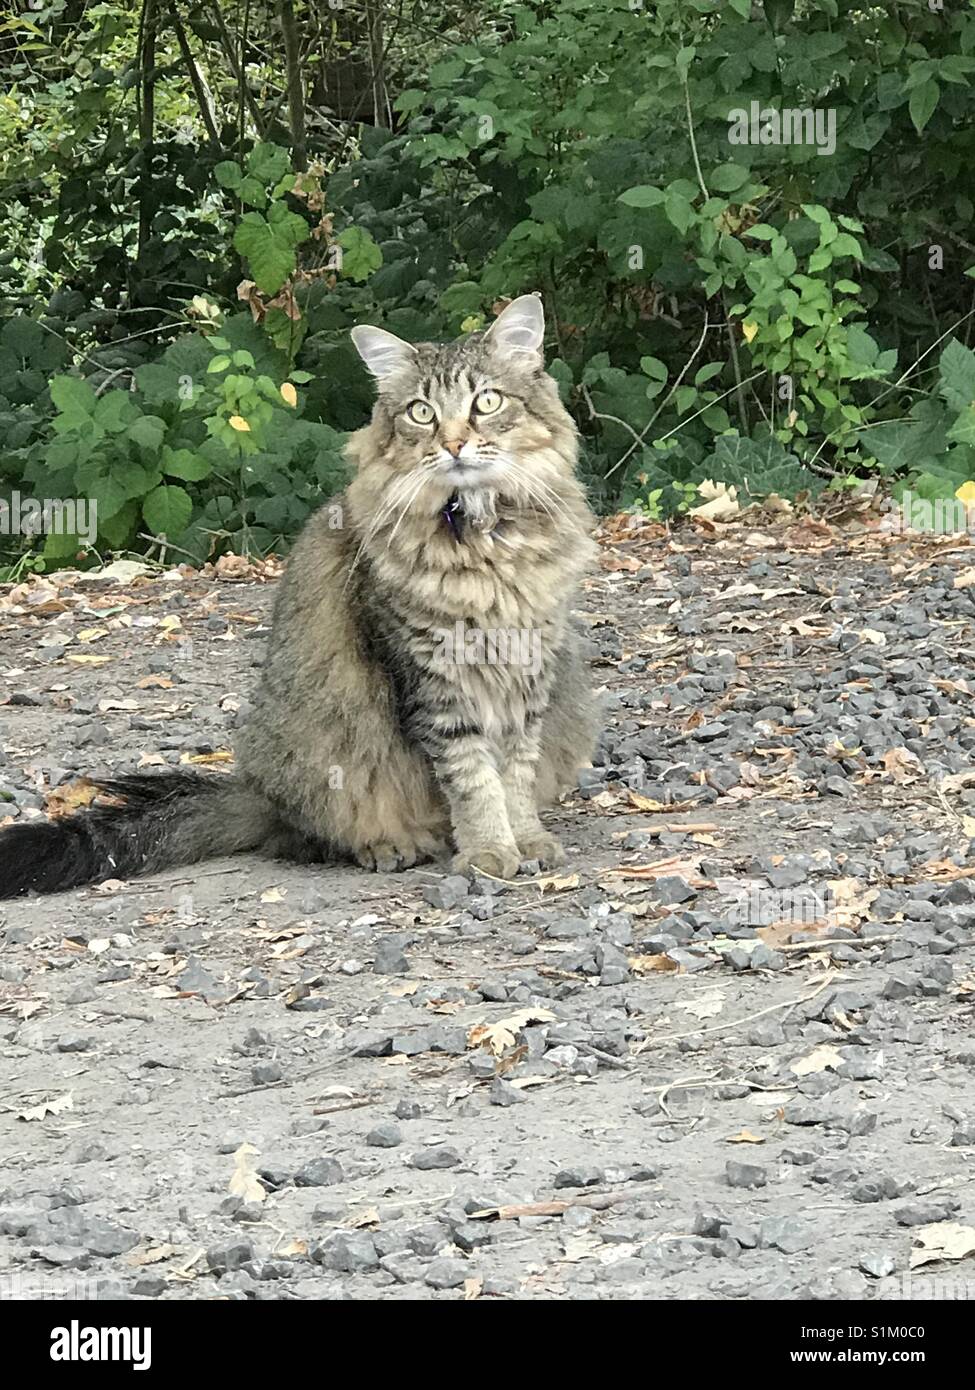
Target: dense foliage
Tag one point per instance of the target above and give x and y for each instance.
(202, 197)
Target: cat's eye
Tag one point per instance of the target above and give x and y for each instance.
(488, 402)
(420, 413)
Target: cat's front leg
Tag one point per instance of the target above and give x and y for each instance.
(466, 767)
(521, 754)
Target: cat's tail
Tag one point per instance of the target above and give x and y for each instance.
(154, 821)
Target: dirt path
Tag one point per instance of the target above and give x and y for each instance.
(264, 1081)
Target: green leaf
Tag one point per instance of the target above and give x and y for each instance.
(644, 195)
(185, 464)
(228, 174)
(220, 363)
(269, 245)
(167, 510)
(727, 177)
(148, 432)
(252, 193)
(957, 370)
(654, 368)
(360, 254)
(72, 396)
(924, 99)
(268, 163)
(679, 211)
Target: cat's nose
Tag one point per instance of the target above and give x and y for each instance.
(454, 446)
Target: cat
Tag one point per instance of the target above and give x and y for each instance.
(425, 691)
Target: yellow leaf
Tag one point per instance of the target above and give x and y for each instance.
(87, 659)
(748, 330)
(289, 394)
(966, 493)
(745, 1137)
(237, 422)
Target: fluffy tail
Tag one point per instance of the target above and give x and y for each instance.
(158, 821)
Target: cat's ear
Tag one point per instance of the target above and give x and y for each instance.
(382, 352)
(520, 328)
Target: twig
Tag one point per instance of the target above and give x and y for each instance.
(599, 1201)
(736, 1022)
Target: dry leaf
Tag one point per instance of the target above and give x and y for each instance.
(903, 765)
(705, 1005)
(649, 965)
(244, 1181)
(745, 1137)
(821, 1058)
(272, 895)
(498, 1037)
(71, 797)
(721, 502)
(46, 1107)
(558, 884)
(472, 1288)
(943, 1240)
(139, 1258)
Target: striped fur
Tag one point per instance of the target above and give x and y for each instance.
(365, 740)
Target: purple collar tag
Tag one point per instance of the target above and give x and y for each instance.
(453, 515)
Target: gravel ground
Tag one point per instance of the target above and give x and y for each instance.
(725, 1053)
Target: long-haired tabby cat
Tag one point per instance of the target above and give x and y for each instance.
(424, 689)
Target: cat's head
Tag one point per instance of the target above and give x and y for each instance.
(477, 413)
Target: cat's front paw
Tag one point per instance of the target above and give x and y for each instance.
(542, 846)
(497, 861)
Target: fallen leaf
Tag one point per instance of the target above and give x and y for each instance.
(498, 1037)
(943, 1240)
(152, 1256)
(649, 965)
(903, 765)
(71, 797)
(823, 1058)
(244, 1182)
(745, 1136)
(46, 1107)
(87, 659)
(558, 884)
(272, 895)
(705, 1005)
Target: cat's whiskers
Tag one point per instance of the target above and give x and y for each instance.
(386, 510)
